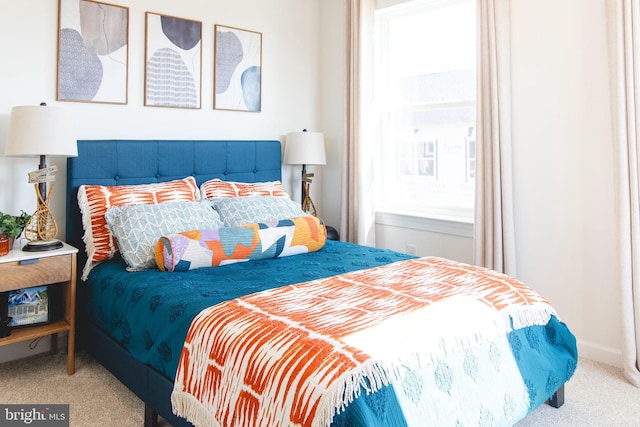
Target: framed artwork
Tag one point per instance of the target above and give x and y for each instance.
(238, 69)
(93, 52)
(173, 62)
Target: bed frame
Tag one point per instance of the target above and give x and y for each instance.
(126, 162)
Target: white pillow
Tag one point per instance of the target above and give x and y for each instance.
(137, 228)
(238, 211)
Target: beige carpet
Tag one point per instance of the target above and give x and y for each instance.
(597, 395)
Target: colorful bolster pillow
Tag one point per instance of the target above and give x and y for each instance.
(226, 245)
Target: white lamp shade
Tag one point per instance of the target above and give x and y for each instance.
(304, 148)
(40, 130)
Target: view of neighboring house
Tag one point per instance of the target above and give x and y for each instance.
(436, 159)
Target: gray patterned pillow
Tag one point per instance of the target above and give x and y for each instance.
(237, 211)
(137, 228)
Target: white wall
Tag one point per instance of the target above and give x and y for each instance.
(563, 166)
(290, 85)
(426, 243)
(332, 103)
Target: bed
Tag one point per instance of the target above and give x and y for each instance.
(140, 324)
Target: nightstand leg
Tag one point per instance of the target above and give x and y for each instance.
(54, 343)
(71, 348)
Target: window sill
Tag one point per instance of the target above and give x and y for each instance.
(413, 221)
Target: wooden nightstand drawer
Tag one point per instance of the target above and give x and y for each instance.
(44, 271)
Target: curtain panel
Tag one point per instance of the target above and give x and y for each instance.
(623, 25)
(494, 235)
(357, 217)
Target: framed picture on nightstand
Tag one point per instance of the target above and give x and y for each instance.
(38, 305)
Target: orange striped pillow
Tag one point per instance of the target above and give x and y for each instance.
(95, 200)
(217, 188)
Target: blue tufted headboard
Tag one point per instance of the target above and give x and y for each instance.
(125, 162)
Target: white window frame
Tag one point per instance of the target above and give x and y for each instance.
(449, 220)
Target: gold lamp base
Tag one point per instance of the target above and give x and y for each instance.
(42, 228)
(308, 206)
(307, 203)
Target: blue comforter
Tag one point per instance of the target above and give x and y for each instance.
(149, 313)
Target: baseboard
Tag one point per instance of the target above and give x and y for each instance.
(599, 353)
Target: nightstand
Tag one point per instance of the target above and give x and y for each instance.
(20, 270)
(332, 233)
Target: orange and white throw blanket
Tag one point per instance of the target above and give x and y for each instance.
(297, 355)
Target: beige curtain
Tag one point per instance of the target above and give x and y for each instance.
(494, 237)
(624, 47)
(357, 214)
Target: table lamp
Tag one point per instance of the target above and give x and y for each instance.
(305, 148)
(41, 131)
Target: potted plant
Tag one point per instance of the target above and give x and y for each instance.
(11, 226)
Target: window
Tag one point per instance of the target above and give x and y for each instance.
(425, 80)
